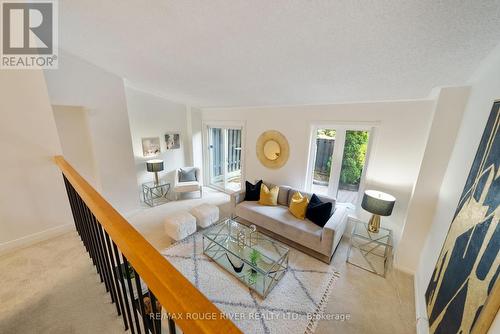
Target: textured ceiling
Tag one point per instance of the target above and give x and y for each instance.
(268, 52)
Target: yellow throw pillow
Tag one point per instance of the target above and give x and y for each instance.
(268, 197)
(298, 205)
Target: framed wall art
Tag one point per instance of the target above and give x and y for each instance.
(151, 146)
(463, 293)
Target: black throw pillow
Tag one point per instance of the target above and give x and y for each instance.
(252, 191)
(318, 212)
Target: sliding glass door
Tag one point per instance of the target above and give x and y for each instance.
(225, 160)
(216, 157)
(337, 162)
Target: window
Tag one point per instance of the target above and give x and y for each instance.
(337, 161)
(224, 148)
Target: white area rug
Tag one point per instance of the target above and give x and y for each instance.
(295, 305)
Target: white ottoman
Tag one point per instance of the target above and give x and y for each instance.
(180, 225)
(206, 214)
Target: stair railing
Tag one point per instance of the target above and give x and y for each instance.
(149, 293)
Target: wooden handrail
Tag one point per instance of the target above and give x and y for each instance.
(175, 293)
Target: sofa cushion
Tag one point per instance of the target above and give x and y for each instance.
(283, 195)
(326, 199)
(268, 196)
(187, 186)
(323, 198)
(298, 205)
(252, 191)
(279, 220)
(187, 175)
(268, 184)
(318, 212)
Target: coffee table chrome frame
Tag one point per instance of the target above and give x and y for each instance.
(275, 273)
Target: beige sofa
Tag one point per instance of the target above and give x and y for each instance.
(304, 235)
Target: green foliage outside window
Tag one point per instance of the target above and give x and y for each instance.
(356, 143)
(355, 146)
(327, 133)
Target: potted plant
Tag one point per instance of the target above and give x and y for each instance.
(254, 258)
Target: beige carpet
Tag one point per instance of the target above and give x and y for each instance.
(149, 221)
(292, 307)
(53, 288)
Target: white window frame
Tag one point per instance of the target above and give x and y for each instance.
(206, 152)
(340, 133)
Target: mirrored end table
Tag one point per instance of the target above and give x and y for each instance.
(155, 194)
(370, 251)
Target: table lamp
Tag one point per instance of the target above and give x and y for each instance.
(379, 204)
(155, 166)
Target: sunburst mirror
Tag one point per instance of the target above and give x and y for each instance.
(272, 149)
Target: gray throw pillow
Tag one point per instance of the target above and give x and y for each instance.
(187, 175)
(283, 195)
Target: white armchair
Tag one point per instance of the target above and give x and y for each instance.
(187, 186)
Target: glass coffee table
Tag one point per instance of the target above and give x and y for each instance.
(255, 259)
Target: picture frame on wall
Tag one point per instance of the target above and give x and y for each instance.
(173, 140)
(463, 294)
(151, 146)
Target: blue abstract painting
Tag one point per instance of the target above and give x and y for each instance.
(468, 265)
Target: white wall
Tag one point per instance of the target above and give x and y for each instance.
(153, 116)
(485, 89)
(74, 135)
(102, 94)
(449, 108)
(197, 138)
(33, 202)
(399, 143)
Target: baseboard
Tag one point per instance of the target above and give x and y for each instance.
(420, 308)
(421, 323)
(403, 269)
(396, 264)
(31, 239)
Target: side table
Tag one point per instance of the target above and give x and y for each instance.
(370, 251)
(155, 193)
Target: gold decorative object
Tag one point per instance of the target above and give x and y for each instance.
(379, 204)
(463, 295)
(374, 224)
(272, 149)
